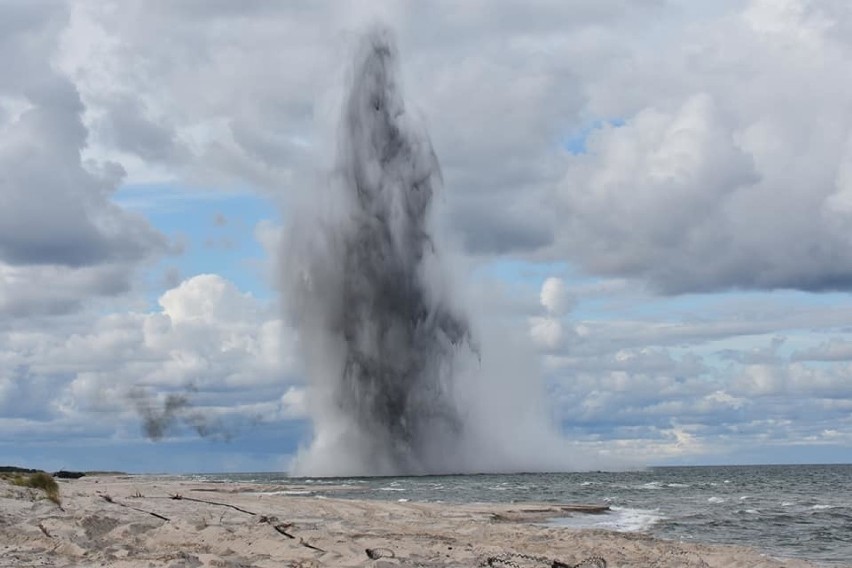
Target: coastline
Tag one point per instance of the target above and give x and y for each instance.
(142, 521)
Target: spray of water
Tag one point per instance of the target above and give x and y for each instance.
(396, 381)
(384, 344)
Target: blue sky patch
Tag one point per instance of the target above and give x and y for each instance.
(576, 141)
(214, 230)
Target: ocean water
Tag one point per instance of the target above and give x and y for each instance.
(798, 511)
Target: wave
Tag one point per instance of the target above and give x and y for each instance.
(619, 519)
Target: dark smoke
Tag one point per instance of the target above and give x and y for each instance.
(161, 418)
(382, 342)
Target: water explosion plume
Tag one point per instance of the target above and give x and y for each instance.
(380, 339)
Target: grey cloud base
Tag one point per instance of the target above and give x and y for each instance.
(62, 239)
(723, 174)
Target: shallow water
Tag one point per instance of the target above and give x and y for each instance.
(802, 511)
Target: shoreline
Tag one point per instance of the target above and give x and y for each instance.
(137, 521)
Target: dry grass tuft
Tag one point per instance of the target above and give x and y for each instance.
(39, 480)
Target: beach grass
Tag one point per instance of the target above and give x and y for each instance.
(38, 480)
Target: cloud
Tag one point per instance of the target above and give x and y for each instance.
(495, 119)
(670, 149)
(546, 331)
(23, 291)
(210, 358)
(489, 231)
(702, 144)
(554, 296)
(294, 403)
(724, 174)
(832, 350)
(206, 298)
(58, 224)
(57, 210)
(126, 127)
(746, 374)
(796, 380)
(497, 114)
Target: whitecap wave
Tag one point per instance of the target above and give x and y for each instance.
(619, 519)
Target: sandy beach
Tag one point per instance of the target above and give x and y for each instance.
(135, 522)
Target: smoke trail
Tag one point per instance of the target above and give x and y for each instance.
(156, 422)
(159, 418)
(381, 341)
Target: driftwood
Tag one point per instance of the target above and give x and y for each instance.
(307, 544)
(280, 527)
(283, 528)
(109, 499)
(178, 497)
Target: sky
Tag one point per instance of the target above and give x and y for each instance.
(654, 195)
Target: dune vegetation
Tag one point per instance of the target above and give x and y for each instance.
(36, 480)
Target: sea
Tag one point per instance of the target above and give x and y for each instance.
(786, 511)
